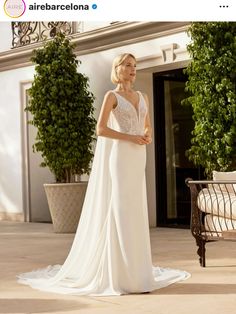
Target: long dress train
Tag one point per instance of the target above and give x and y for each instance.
(111, 253)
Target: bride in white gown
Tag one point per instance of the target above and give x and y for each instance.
(111, 253)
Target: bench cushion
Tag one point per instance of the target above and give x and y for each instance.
(219, 224)
(217, 203)
(225, 176)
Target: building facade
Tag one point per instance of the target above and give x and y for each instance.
(161, 51)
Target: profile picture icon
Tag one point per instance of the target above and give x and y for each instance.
(14, 8)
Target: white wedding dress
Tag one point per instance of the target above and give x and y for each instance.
(111, 253)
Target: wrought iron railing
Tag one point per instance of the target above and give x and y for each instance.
(25, 33)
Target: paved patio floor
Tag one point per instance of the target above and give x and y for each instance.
(28, 246)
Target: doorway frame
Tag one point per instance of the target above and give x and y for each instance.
(24, 86)
(160, 144)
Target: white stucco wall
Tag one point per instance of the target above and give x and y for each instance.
(10, 139)
(97, 66)
(5, 36)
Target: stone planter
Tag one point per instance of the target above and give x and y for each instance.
(65, 201)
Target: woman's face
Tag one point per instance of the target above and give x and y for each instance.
(126, 71)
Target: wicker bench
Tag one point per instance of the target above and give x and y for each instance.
(213, 212)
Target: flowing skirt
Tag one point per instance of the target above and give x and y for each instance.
(111, 253)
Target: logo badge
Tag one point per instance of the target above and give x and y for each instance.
(14, 8)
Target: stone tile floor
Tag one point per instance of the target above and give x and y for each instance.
(210, 290)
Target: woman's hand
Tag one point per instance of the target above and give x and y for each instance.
(148, 135)
(140, 139)
(148, 138)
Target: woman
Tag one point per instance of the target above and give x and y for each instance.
(111, 252)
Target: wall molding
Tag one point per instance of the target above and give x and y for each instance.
(167, 59)
(116, 35)
(11, 216)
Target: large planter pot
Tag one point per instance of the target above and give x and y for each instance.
(65, 201)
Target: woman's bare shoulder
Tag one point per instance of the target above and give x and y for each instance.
(110, 98)
(145, 96)
(142, 93)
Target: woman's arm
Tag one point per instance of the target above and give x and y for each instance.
(148, 126)
(102, 129)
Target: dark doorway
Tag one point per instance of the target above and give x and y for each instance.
(173, 126)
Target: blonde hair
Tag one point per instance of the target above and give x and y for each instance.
(118, 61)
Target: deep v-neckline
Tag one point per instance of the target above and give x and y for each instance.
(137, 110)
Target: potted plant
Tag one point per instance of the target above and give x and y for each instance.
(212, 86)
(62, 109)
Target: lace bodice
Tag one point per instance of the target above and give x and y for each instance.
(126, 118)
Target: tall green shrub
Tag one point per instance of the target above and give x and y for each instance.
(212, 86)
(62, 109)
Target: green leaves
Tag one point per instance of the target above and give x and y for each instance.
(62, 109)
(212, 85)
